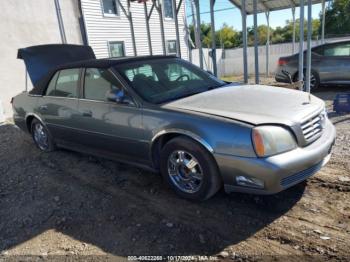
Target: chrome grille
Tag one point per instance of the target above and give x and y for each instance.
(312, 128)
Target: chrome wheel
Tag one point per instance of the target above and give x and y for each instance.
(185, 171)
(40, 136)
(313, 82)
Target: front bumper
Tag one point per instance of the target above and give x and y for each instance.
(278, 172)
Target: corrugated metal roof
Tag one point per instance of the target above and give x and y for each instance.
(270, 5)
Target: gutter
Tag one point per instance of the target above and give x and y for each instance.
(82, 24)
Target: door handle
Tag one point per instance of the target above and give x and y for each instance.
(43, 108)
(87, 113)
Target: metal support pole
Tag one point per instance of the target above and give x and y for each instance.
(60, 22)
(301, 43)
(178, 48)
(244, 35)
(323, 19)
(213, 40)
(309, 35)
(293, 15)
(132, 28)
(198, 30)
(267, 13)
(256, 50)
(161, 22)
(148, 29)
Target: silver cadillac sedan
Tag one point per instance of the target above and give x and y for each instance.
(167, 115)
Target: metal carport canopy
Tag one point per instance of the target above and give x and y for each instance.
(270, 5)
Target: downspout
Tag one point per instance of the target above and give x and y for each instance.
(175, 8)
(161, 22)
(82, 24)
(60, 22)
(147, 17)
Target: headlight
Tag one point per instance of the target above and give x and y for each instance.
(272, 140)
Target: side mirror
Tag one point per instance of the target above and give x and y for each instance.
(119, 96)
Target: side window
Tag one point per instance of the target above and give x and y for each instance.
(337, 50)
(67, 83)
(99, 83)
(50, 91)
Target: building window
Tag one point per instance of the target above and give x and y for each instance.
(168, 9)
(110, 7)
(116, 49)
(171, 47)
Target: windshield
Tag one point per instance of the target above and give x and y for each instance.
(163, 80)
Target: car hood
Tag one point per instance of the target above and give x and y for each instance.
(254, 104)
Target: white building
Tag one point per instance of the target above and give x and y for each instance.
(27, 23)
(100, 23)
(109, 34)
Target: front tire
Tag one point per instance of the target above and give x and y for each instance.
(189, 169)
(41, 136)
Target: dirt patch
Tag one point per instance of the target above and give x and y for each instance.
(65, 203)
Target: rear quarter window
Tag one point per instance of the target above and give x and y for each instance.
(64, 83)
(50, 91)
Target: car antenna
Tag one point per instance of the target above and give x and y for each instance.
(309, 97)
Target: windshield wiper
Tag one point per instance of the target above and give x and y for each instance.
(182, 96)
(214, 87)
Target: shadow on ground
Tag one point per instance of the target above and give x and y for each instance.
(118, 208)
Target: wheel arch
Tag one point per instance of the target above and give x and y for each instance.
(164, 136)
(29, 118)
(312, 70)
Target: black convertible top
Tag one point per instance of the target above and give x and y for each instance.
(43, 61)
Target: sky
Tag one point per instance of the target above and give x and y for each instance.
(232, 16)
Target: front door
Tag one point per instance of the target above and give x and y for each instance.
(106, 124)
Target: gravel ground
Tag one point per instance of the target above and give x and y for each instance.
(65, 205)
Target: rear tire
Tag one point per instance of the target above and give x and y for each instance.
(189, 169)
(41, 136)
(315, 80)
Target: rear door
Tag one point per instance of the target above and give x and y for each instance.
(59, 106)
(109, 126)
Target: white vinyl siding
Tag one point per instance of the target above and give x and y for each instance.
(103, 29)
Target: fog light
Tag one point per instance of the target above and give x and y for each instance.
(249, 182)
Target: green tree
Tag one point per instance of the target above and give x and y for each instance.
(227, 36)
(262, 35)
(337, 18)
(285, 34)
